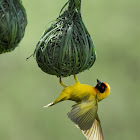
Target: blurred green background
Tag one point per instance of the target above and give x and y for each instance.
(25, 89)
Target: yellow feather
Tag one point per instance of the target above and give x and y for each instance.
(84, 113)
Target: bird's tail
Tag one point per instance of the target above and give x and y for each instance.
(63, 96)
(59, 99)
(48, 105)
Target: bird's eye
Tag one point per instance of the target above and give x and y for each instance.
(101, 87)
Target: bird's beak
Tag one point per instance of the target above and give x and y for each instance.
(99, 82)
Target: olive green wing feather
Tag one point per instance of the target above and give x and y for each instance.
(95, 132)
(84, 114)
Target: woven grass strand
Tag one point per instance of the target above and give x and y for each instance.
(13, 21)
(66, 48)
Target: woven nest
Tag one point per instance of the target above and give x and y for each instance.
(66, 48)
(13, 21)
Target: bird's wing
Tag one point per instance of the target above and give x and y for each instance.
(95, 132)
(84, 114)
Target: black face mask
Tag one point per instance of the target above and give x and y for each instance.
(100, 86)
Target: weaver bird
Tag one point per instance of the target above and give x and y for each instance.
(84, 112)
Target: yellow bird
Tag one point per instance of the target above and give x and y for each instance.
(84, 112)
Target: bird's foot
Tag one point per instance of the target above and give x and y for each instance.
(75, 78)
(60, 81)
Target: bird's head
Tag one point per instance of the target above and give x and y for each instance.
(103, 90)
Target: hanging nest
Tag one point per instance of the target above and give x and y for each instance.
(66, 48)
(13, 21)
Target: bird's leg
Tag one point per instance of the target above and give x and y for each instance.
(75, 78)
(62, 82)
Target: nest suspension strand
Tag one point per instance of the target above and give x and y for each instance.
(66, 48)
